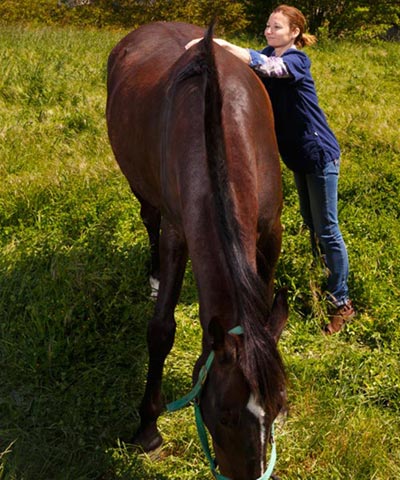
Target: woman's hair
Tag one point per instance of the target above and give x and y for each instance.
(297, 20)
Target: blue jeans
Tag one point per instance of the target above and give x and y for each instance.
(318, 195)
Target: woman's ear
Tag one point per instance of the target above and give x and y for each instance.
(295, 32)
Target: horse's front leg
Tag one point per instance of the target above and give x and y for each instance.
(161, 333)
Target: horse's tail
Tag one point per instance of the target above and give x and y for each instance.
(203, 64)
(262, 362)
(229, 228)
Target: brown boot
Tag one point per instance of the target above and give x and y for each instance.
(338, 317)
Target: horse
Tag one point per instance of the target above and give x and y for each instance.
(193, 133)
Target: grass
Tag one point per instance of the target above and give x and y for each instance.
(74, 294)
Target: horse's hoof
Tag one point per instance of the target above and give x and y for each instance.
(147, 442)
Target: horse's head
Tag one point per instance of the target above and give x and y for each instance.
(236, 409)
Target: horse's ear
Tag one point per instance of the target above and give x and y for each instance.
(224, 345)
(279, 314)
(217, 333)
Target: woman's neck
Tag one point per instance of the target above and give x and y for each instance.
(279, 51)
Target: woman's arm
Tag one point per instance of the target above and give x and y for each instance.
(261, 64)
(242, 53)
(268, 66)
(239, 52)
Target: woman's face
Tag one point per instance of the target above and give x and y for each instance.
(278, 32)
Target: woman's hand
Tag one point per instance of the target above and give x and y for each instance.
(193, 42)
(239, 52)
(220, 41)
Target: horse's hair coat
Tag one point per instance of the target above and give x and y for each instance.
(192, 131)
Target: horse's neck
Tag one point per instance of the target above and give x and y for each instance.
(212, 260)
(217, 297)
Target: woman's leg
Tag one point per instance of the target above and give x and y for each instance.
(318, 206)
(305, 210)
(322, 190)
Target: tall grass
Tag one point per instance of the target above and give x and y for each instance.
(74, 294)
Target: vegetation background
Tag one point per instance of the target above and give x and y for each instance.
(74, 295)
(360, 18)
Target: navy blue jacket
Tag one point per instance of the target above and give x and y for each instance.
(304, 138)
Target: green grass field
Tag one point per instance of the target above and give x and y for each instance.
(74, 292)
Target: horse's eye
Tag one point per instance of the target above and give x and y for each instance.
(229, 418)
(224, 421)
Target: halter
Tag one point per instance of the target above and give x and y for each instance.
(194, 396)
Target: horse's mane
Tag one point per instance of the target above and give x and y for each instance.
(261, 364)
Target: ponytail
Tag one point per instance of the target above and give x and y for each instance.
(305, 40)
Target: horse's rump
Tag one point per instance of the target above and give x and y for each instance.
(138, 71)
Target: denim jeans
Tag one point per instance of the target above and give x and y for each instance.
(318, 195)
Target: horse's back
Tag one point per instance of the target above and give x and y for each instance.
(153, 48)
(138, 71)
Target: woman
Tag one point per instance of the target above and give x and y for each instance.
(306, 144)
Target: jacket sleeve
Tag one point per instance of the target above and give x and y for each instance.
(268, 66)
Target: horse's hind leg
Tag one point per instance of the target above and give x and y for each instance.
(161, 333)
(152, 219)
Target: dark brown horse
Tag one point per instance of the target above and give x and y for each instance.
(192, 131)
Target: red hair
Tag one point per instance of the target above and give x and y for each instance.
(297, 20)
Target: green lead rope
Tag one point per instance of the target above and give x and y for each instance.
(196, 390)
(194, 396)
(201, 430)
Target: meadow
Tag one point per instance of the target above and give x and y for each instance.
(74, 293)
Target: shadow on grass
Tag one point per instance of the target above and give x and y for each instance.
(73, 359)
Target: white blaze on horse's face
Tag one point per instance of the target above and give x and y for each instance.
(256, 409)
